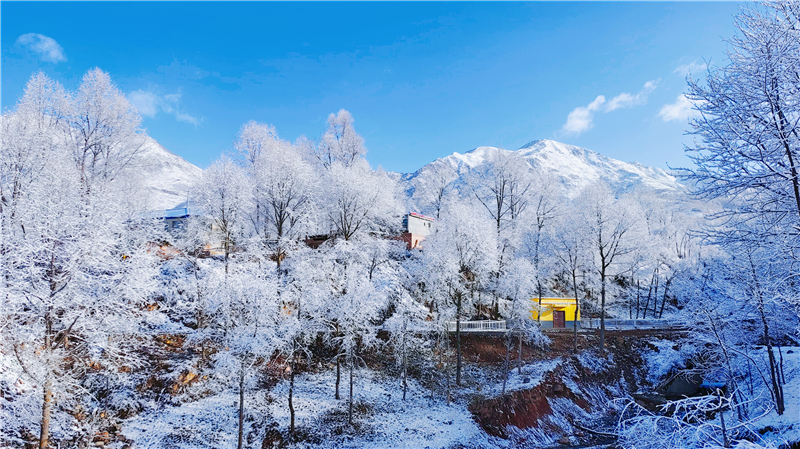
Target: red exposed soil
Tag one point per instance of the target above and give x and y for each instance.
(525, 408)
(486, 348)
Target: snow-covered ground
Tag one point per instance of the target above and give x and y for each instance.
(383, 419)
(418, 422)
(531, 376)
(779, 429)
(207, 423)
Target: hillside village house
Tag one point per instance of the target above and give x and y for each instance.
(175, 221)
(556, 313)
(416, 227)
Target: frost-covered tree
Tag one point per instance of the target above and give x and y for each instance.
(340, 143)
(357, 302)
(460, 258)
(611, 235)
(747, 143)
(542, 209)
(105, 133)
(518, 287)
(223, 196)
(405, 327)
(304, 299)
(76, 271)
(503, 187)
(432, 189)
(746, 153)
(282, 183)
(358, 201)
(566, 236)
(359, 206)
(665, 251)
(246, 314)
(32, 134)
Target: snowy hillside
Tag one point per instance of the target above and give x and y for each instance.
(166, 177)
(573, 166)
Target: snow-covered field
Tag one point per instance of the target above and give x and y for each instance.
(420, 421)
(779, 429)
(531, 376)
(383, 419)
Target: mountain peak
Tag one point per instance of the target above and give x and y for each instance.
(535, 143)
(574, 167)
(166, 177)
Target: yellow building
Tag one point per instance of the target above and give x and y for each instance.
(556, 313)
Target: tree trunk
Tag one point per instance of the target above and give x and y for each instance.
(773, 366)
(655, 295)
(458, 341)
(664, 301)
(47, 407)
(291, 394)
(638, 296)
(338, 369)
(519, 356)
(725, 441)
(603, 310)
(47, 391)
(577, 308)
(539, 313)
(350, 411)
(647, 303)
(405, 368)
(506, 367)
(338, 376)
(241, 405)
(731, 378)
(458, 351)
(793, 168)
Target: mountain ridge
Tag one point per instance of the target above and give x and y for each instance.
(168, 178)
(574, 167)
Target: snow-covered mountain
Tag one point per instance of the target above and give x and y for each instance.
(166, 178)
(578, 167)
(574, 167)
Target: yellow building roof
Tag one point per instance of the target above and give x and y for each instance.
(555, 301)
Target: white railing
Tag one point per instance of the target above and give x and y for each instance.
(477, 326)
(594, 323)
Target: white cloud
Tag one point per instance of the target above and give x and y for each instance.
(170, 100)
(149, 104)
(145, 101)
(626, 100)
(692, 67)
(680, 110)
(581, 118)
(46, 47)
(186, 118)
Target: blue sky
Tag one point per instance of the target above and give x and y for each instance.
(421, 79)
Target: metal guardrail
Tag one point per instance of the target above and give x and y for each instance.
(594, 323)
(478, 326)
